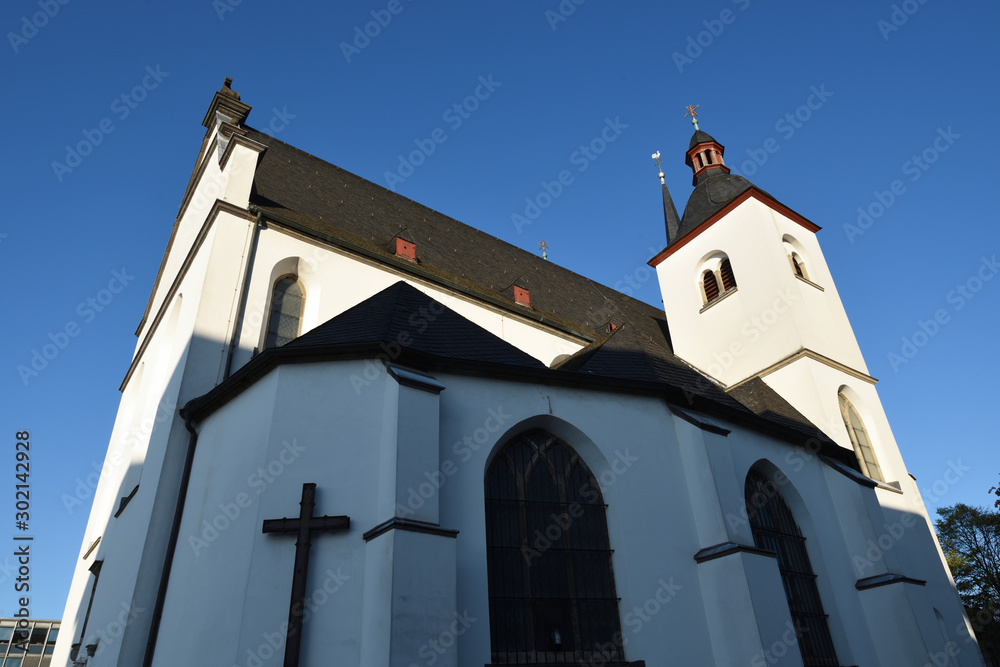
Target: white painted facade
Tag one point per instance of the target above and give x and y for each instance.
(673, 480)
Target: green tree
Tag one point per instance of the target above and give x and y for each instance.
(970, 539)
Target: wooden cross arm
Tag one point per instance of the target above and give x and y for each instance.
(315, 523)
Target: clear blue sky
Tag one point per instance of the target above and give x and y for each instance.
(888, 94)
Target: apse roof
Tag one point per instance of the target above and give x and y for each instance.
(403, 316)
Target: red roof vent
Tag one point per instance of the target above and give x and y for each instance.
(521, 296)
(406, 249)
(612, 326)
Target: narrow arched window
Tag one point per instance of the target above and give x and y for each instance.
(774, 529)
(859, 438)
(551, 584)
(797, 265)
(726, 272)
(711, 286)
(287, 300)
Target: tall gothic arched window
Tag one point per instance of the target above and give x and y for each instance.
(859, 438)
(551, 583)
(774, 529)
(285, 321)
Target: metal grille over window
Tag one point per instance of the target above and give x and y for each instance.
(774, 529)
(286, 312)
(551, 583)
(859, 438)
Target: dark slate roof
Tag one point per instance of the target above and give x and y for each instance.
(764, 401)
(708, 198)
(700, 137)
(403, 315)
(306, 193)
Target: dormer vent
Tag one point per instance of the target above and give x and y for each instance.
(406, 249)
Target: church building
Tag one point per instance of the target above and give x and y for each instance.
(383, 438)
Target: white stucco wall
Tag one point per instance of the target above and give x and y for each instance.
(772, 313)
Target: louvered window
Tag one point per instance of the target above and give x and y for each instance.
(551, 584)
(774, 529)
(286, 312)
(711, 287)
(859, 438)
(728, 279)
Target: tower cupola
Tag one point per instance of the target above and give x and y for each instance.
(704, 154)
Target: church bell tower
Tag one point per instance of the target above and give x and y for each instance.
(748, 294)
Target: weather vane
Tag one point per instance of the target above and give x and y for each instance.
(543, 246)
(656, 156)
(693, 112)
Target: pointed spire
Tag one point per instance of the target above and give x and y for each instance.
(670, 217)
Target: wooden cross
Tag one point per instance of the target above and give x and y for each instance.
(692, 111)
(302, 527)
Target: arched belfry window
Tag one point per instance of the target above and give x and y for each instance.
(726, 273)
(859, 438)
(285, 321)
(717, 279)
(551, 584)
(774, 529)
(711, 287)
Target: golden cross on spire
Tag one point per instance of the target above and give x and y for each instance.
(543, 246)
(693, 112)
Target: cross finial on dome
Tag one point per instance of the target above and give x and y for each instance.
(693, 112)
